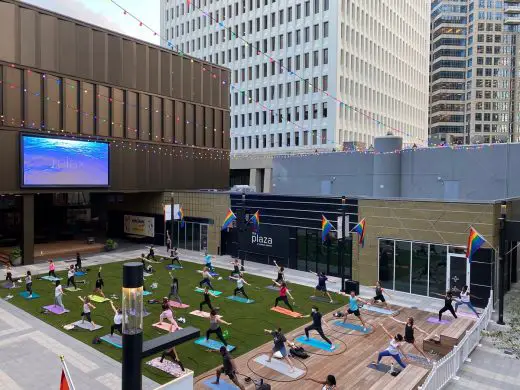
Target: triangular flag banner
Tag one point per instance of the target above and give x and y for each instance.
(360, 230)
(230, 217)
(475, 241)
(326, 227)
(255, 220)
(64, 384)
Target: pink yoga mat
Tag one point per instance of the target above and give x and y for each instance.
(434, 320)
(165, 326)
(56, 309)
(178, 305)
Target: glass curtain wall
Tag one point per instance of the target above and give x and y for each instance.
(190, 235)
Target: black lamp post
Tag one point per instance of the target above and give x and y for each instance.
(343, 241)
(501, 260)
(242, 228)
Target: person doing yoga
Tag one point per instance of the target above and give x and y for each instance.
(78, 262)
(328, 384)
(284, 292)
(240, 285)
(167, 314)
(172, 354)
(146, 267)
(236, 267)
(85, 314)
(279, 341)
(448, 306)
(379, 290)
(317, 326)
(52, 268)
(174, 289)
(58, 295)
(209, 265)
(71, 275)
(353, 307)
(118, 320)
(98, 289)
(409, 328)
(228, 368)
(207, 300)
(465, 299)
(206, 278)
(394, 349)
(28, 284)
(280, 277)
(214, 326)
(322, 285)
(174, 256)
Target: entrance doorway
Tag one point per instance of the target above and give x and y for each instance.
(457, 272)
(190, 235)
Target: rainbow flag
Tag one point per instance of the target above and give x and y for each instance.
(255, 220)
(230, 217)
(180, 214)
(475, 241)
(360, 230)
(326, 227)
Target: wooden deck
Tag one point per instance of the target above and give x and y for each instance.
(60, 250)
(348, 363)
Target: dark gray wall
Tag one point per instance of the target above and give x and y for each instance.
(477, 174)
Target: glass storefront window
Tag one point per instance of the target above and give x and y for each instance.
(386, 263)
(196, 237)
(419, 268)
(302, 250)
(322, 257)
(438, 259)
(334, 257)
(203, 237)
(402, 265)
(312, 249)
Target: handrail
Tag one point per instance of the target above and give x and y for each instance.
(446, 368)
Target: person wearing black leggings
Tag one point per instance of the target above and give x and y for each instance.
(448, 299)
(206, 278)
(118, 320)
(214, 326)
(172, 353)
(207, 300)
(283, 295)
(240, 285)
(70, 277)
(317, 326)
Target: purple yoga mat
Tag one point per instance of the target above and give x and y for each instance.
(56, 309)
(434, 320)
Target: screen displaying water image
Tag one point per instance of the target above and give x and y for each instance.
(58, 162)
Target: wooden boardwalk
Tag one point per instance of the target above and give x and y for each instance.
(348, 363)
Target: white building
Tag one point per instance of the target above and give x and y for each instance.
(291, 59)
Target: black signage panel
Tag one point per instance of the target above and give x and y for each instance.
(269, 240)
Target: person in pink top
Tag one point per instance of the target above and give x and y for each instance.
(52, 268)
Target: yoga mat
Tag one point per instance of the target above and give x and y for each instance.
(214, 292)
(240, 299)
(115, 340)
(72, 289)
(379, 310)
(80, 273)
(312, 342)
(173, 267)
(434, 320)
(9, 285)
(98, 299)
(85, 325)
(178, 305)
(380, 367)
(145, 293)
(418, 359)
(214, 274)
(25, 294)
(167, 366)
(165, 326)
(213, 344)
(198, 313)
(274, 288)
(287, 312)
(322, 299)
(146, 274)
(55, 309)
(279, 366)
(350, 326)
(222, 384)
(50, 278)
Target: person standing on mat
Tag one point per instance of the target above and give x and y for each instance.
(409, 328)
(172, 354)
(214, 326)
(328, 384)
(240, 285)
(71, 276)
(448, 305)
(168, 243)
(167, 314)
(379, 294)
(228, 368)
(465, 299)
(174, 255)
(174, 289)
(85, 314)
(236, 268)
(58, 295)
(322, 285)
(279, 341)
(283, 295)
(98, 289)
(394, 349)
(146, 268)
(206, 278)
(28, 284)
(118, 320)
(209, 266)
(317, 326)
(78, 262)
(280, 278)
(353, 308)
(207, 300)
(52, 268)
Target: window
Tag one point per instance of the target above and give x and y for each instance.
(298, 11)
(306, 34)
(298, 37)
(315, 111)
(315, 58)
(438, 257)
(316, 6)
(325, 83)
(316, 31)
(288, 139)
(420, 269)
(324, 110)
(264, 140)
(272, 140)
(307, 6)
(323, 136)
(402, 265)
(325, 56)
(326, 29)
(315, 137)
(289, 39)
(306, 60)
(280, 17)
(315, 86)
(305, 112)
(279, 140)
(289, 14)
(325, 5)
(386, 263)
(305, 137)
(296, 138)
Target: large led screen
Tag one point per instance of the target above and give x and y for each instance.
(59, 162)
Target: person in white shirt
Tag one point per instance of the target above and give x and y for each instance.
(465, 299)
(70, 277)
(118, 320)
(240, 285)
(28, 284)
(58, 294)
(85, 314)
(393, 350)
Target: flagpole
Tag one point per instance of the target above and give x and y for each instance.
(67, 373)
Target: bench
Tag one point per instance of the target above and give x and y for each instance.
(432, 344)
(409, 379)
(454, 333)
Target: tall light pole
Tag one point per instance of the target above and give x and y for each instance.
(501, 261)
(343, 241)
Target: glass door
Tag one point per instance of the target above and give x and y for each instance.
(203, 237)
(458, 271)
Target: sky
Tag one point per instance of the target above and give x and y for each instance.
(106, 14)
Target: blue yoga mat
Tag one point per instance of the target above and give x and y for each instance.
(222, 384)
(25, 294)
(350, 326)
(240, 299)
(115, 341)
(320, 344)
(145, 293)
(50, 278)
(173, 266)
(214, 274)
(80, 273)
(214, 292)
(379, 310)
(213, 344)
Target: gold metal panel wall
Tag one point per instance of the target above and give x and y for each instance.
(71, 106)
(168, 121)
(48, 40)
(179, 122)
(87, 99)
(12, 94)
(67, 47)
(100, 55)
(177, 77)
(155, 72)
(131, 115)
(33, 100)
(156, 119)
(199, 126)
(129, 80)
(103, 111)
(27, 36)
(115, 60)
(8, 29)
(52, 103)
(190, 124)
(85, 64)
(166, 74)
(118, 111)
(142, 65)
(209, 124)
(226, 136)
(217, 130)
(144, 117)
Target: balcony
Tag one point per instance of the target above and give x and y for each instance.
(512, 10)
(512, 19)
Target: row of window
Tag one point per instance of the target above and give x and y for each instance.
(289, 114)
(312, 137)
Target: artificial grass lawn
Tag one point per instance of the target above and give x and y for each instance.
(248, 320)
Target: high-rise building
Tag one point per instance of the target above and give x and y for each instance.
(290, 60)
(473, 83)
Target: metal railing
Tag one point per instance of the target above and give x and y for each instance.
(446, 368)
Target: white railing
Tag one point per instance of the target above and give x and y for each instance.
(446, 368)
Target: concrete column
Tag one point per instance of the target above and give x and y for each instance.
(28, 229)
(268, 174)
(387, 167)
(255, 178)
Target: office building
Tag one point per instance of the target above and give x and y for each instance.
(290, 59)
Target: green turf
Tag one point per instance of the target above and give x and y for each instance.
(248, 320)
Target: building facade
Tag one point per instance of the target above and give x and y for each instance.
(473, 76)
(291, 60)
(165, 121)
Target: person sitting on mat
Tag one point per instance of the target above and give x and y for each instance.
(209, 265)
(279, 341)
(206, 278)
(283, 295)
(379, 294)
(146, 267)
(207, 300)
(214, 326)
(228, 368)
(52, 268)
(58, 295)
(118, 320)
(98, 289)
(394, 349)
(322, 285)
(328, 384)
(167, 314)
(172, 353)
(240, 285)
(409, 328)
(151, 253)
(78, 262)
(465, 299)
(448, 299)
(236, 267)
(85, 314)
(174, 289)
(71, 276)
(280, 277)
(28, 284)
(174, 255)
(353, 307)
(317, 326)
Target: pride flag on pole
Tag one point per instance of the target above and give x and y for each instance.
(326, 227)
(360, 230)
(180, 214)
(255, 220)
(475, 241)
(230, 217)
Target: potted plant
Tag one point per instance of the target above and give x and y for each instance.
(16, 256)
(110, 245)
